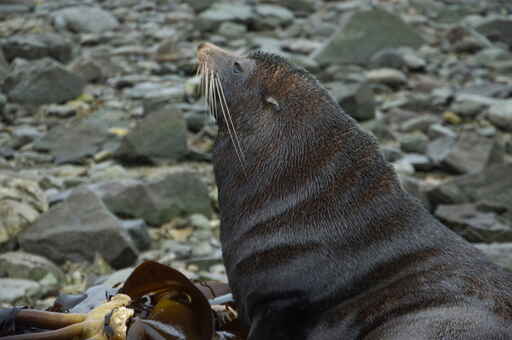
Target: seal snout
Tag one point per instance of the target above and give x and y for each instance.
(207, 49)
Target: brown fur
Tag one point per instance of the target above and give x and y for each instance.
(319, 240)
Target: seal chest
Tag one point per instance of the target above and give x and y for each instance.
(319, 240)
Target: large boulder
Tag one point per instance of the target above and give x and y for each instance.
(497, 29)
(499, 253)
(471, 153)
(176, 195)
(37, 46)
(80, 138)
(21, 202)
(475, 225)
(221, 12)
(500, 114)
(44, 81)
(356, 99)
(21, 265)
(365, 33)
(160, 137)
(491, 188)
(85, 19)
(78, 228)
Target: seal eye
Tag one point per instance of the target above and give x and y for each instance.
(237, 68)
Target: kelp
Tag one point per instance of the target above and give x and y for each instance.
(155, 302)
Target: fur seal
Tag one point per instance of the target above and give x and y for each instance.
(319, 240)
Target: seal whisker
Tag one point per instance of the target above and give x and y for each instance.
(229, 123)
(223, 100)
(213, 104)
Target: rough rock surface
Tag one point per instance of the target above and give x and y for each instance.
(77, 229)
(44, 81)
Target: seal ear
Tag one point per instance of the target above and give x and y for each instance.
(273, 102)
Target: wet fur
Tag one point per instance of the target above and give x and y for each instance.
(319, 240)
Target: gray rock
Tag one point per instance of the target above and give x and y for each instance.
(21, 203)
(414, 142)
(398, 58)
(199, 5)
(222, 12)
(3, 103)
(61, 111)
(467, 108)
(500, 114)
(43, 81)
(492, 185)
(439, 149)
(179, 250)
(474, 225)
(364, 34)
(176, 195)
(355, 99)
(446, 193)
(89, 69)
(302, 7)
(415, 187)
(24, 135)
(497, 29)
(78, 228)
(387, 76)
(499, 253)
(442, 95)
(160, 137)
(79, 138)
(138, 231)
(156, 91)
(273, 16)
(85, 19)
(503, 67)
(421, 123)
(199, 221)
(470, 154)
(37, 46)
(21, 265)
(15, 291)
(232, 29)
(8, 9)
(4, 66)
(391, 154)
(417, 161)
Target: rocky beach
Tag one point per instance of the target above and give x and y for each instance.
(105, 140)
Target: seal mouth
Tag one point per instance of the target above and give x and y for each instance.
(210, 59)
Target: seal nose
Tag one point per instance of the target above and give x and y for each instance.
(201, 46)
(211, 49)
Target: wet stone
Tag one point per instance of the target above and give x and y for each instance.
(21, 265)
(421, 123)
(470, 154)
(16, 290)
(85, 19)
(364, 34)
(160, 137)
(222, 12)
(356, 99)
(78, 228)
(44, 81)
(37, 46)
(499, 253)
(414, 143)
(500, 114)
(474, 225)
